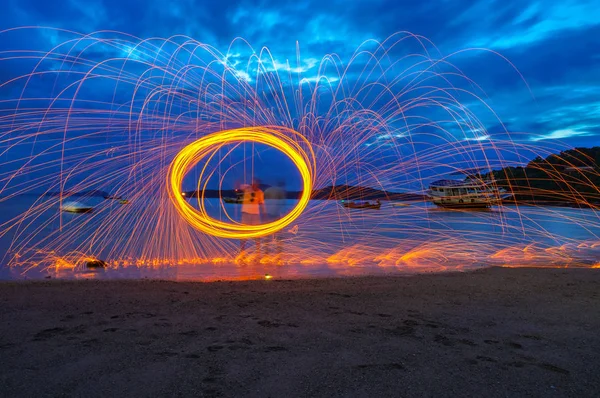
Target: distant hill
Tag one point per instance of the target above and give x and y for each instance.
(572, 176)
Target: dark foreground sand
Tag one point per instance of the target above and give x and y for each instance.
(496, 332)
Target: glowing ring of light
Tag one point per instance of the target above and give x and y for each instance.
(285, 140)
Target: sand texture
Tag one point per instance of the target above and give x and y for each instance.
(491, 333)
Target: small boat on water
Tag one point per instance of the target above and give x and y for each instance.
(76, 207)
(470, 193)
(361, 205)
(237, 200)
(123, 201)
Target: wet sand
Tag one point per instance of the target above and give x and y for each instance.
(494, 333)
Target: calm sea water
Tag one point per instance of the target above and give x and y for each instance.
(327, 240)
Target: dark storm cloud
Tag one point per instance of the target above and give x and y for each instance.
(555, 45)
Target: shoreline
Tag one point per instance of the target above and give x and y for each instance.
(187, 274)
(488, 332)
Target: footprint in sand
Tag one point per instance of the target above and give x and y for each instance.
(189, 333)
(275, 348)
(553, 368)
(193, 356)
(380, 367)
(440, 338)
(268, 324)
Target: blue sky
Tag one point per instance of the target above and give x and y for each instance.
(554, 44)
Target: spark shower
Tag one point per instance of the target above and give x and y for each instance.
(139, 118)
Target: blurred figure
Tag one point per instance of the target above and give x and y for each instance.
(275, 200)
(253, 204)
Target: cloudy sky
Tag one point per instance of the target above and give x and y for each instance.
(555, 45)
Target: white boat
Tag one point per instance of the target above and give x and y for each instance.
(76, 207)
(465, 194)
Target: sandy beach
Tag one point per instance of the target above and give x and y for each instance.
(496, 332)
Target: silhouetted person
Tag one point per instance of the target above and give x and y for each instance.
(275, 201)
(253, 203)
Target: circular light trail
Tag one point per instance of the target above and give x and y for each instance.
(283, 139)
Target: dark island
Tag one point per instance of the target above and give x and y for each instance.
(570, 178)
